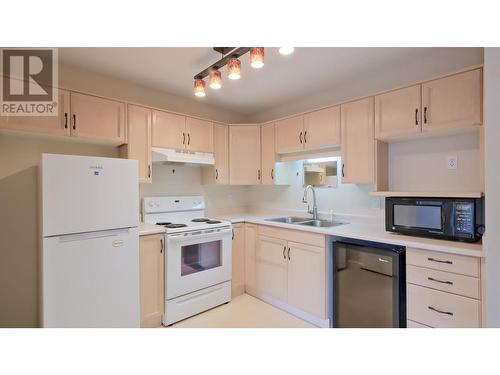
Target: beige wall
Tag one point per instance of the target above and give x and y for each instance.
(19, 160)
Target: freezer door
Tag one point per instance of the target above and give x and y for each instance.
(83, 194)
(91, 280)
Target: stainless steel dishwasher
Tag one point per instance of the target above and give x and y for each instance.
(366, 284)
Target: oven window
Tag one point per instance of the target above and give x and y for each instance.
(200, 257)
(428, 217)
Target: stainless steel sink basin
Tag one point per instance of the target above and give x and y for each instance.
(305, 221)
(321, 223)
(289, 219)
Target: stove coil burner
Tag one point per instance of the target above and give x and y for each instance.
(200, 220)
(213, 222)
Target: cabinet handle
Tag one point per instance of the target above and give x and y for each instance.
(216, 174)
(272, 174)
(284, 249)
(65, 120)
(232, 238)
(305, 136)
(258, 174)
(74, 121)
(300, 137)
(189, 138)
(416, 116)
(343, 175)
(440, 311)
(440, 281)
(183, 138)
(161, 246)
(149, 171)
(425, 115)
(440, 261)
(288, 253)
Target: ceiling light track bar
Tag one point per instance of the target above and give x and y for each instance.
(228, 53)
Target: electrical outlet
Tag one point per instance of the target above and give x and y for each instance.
(452, 162)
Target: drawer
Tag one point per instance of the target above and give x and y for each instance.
(298, 236)
(412, 324)
(447, 282)
(440, 309)
(460, 264)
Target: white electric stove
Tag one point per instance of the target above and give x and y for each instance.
(197, 257)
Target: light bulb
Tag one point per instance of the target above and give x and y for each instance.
(257, 57)
(215, 79)
(286, 50)
(199, 87)
(234, 68)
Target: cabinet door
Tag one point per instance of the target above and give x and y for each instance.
(168, 130)
(199, 135)
(398, 113)
(139, 139)
(54, 125)
(151, 263)
(268, 154)
(244, 155)
(290, 135)
(221, 153)
(238, 278)
(453, 102)
(271, 268)
(97, 118)
(250, 245)
(322, 128)
(358, 142)
(306, 278)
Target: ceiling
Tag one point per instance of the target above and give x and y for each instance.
(283, 78)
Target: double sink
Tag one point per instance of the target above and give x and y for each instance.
(306, 221)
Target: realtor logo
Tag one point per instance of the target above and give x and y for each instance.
(29, 80)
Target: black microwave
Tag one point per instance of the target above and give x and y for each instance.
(456, 219)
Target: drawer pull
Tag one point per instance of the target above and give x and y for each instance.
(440, 311)
(440, 261)
(440, 281)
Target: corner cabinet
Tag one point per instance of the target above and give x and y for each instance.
(358, 142)
(152, 285)
(97, 118)
(244, 155)
(138, 146)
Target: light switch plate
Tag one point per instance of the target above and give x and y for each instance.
(452, 162)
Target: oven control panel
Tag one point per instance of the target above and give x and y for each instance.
(464, 219)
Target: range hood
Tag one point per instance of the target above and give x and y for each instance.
(167, 155)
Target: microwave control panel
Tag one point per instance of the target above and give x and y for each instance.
(464, 218)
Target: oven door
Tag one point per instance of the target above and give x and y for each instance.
(197, 260)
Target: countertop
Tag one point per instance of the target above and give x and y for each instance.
(369, 231)
(145, 229)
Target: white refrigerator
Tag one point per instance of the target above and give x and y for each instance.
(90, 244)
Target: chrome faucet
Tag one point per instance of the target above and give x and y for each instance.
(314, 211)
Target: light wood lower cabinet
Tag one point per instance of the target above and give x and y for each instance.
(53, 125)
(97, 118)
(138, 146)
(443, 290)
(291, 273)
(250, 246)
(238, 259)
(152, 285)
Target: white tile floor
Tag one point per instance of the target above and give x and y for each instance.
(244, 311)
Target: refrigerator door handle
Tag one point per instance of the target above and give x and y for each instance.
(92, 235)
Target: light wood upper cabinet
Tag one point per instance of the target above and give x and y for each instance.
(168, 130)
(453, 102)
(250, 246)
(358, 142)
(238, 259)
(268, 155)
(97, 118)
(271, 268)
(138, 146)
(398, 113)
(151, 263)
(199, 135)
(218, 173)
(290, 135)
(306, 278)
(322, 128)
(244, 155)
(54, 125)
